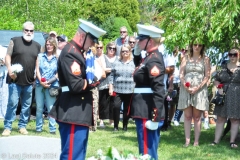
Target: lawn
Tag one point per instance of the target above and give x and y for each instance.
(170, 147)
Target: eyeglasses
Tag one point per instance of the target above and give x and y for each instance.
(131, 42)
(123, 31)
(232, 54)
(111, 48)
(99, 47)
(125, 51)
(61, 40)
(28, 30)
(199, 45)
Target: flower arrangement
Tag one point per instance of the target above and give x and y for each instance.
(220, 86)
(113, 154)
(16, 68)
(187, 84)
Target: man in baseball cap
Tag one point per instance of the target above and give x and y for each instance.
(73, 108)
(62, 41)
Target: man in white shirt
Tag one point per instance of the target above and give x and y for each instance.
(168, 77)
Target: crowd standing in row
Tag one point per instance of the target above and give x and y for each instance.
(138, 76)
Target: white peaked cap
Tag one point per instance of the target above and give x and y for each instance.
(91, 28)
(148, 31)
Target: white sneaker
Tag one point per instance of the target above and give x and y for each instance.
(176, 123)
(206, 125)
(102, 125)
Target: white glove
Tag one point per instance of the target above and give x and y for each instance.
(143, 53)
(151, 125)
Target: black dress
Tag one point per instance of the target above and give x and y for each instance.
(231, 82)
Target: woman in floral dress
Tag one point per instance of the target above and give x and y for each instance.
(193, 96)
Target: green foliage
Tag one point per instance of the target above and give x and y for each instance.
(62, 15)
(170, 147)
(119, 22)
(216, 22)
(102, 10)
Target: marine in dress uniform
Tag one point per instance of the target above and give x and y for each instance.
(147, 102)
(73, 109)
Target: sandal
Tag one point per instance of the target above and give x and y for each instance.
(195, 145)
(213, 144)
(233, 145)
(185, 145)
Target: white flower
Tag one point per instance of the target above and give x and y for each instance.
(16, 68)
(115, 153)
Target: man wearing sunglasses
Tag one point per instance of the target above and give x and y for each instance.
(123, 39)
(24, 51)
(73, 108)
(62, 41)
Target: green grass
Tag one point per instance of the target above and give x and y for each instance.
(170, 147)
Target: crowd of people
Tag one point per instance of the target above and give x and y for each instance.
(80, 86)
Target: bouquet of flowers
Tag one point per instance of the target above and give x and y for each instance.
(113, 154)
(16, 68)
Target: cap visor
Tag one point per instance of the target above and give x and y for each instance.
(140, 37)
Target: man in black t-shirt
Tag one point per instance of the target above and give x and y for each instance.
(24, 51)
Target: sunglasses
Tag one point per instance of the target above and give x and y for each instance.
(99, 47)
(123, 31)
(28, 30)
(125, 51)
(232, 54)
(199, 45)
(111, 48)
(61, 40)
(131, 42)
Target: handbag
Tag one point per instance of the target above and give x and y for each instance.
(218, 100)
(53, 92)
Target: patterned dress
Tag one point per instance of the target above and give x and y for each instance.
(194, 73)
(231, 82)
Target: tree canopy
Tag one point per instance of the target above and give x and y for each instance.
(216, 22)
(62, 15)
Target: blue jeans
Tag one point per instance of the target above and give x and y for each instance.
(25, 94)
(178, 115)
(43, 97)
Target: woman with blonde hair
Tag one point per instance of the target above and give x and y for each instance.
(193, 97)
(121, 82)
(229, 78)
(47, 77)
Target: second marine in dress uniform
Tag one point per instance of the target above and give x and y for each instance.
(73, 109)
(147, 102)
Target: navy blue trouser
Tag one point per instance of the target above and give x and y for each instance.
(148, 140)
(74, 140)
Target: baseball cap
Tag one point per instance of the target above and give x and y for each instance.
(62, 38)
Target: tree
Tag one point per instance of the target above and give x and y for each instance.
(112, 26)
(62, 15)
(102, 10)
(216, 22)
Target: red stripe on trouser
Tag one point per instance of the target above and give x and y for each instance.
(145, 140)
(70, 154)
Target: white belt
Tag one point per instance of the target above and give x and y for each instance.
(143, 90)
(65, 89)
